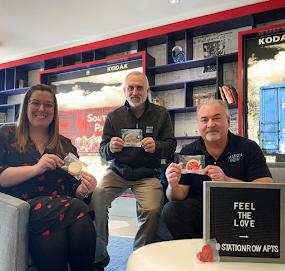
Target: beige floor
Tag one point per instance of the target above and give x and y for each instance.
(122, 217)
(122, 226)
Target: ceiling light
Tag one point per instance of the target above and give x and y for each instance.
(173, 1)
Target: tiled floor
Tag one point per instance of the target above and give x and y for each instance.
(122, 217)
(122, 226)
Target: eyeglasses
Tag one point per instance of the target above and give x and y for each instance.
(35, 104)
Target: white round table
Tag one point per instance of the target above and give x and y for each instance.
(180, 255)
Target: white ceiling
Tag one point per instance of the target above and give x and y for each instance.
(32, 27)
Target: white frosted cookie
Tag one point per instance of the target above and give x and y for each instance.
(74, 168)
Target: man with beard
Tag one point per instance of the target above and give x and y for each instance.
(137, 167)
(228, 158)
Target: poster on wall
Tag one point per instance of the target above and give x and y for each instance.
(264, 90)
(85, 97)
(86, 93)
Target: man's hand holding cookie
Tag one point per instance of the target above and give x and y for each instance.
(116, 144)
(215, 173)
(148, 144)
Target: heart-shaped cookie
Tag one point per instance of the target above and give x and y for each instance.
(206, 255)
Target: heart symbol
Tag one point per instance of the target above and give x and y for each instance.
(54, 193)
(49, 206)
(47, 232)
(13, 145)
(31, 143)
(62, 187)
(59, 180)
(206, 255)
(66, 204)
(61, 217)
(38, 207)
(4, 150)
(26, 165)
(51, 198)
(63, 200)
(41, 178)
(80, 215)
(41, 188)
(24, 196)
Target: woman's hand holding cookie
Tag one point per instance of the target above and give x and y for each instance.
(116, 144)
(148, 144)
(47, 162)
(87, 186)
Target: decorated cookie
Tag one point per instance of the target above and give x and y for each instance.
(193, 164)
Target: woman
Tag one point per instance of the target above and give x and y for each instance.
(31, 156)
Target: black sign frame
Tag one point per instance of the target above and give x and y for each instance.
(246, 219)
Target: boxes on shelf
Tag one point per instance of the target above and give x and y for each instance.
(201, 97)
(15, 99)
(2, 117)
(174, 98)
(155, 99)
(21, 83)
(202, 93)
(10, 115)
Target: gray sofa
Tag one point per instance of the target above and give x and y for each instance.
(278, 174)
(14, 217)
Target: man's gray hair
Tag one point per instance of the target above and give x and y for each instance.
(137, 73)
(214, 101)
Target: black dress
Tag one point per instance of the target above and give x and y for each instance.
(51, 195)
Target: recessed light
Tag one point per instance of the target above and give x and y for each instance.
(173, 1)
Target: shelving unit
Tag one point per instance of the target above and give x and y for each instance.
(158, 45)
(4, 106)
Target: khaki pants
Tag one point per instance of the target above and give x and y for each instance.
(149, 195)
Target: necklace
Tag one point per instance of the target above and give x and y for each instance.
(44, 140)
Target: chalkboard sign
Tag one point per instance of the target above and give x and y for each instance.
(246, 219)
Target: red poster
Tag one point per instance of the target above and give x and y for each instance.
(84, 127)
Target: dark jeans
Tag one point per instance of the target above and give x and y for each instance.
(184, 218)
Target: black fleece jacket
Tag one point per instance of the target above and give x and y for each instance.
(134, 163)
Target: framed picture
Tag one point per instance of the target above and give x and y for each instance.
(247, 229)
(262, 89)
(86, 93)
